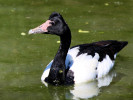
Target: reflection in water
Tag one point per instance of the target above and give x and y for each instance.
(81, 91)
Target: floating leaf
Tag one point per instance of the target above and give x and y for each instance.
(86, 23)
(13, 10)
(23, 33)
(106, 4)
(28, 17)
(81, 31)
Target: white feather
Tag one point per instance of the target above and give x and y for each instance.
(104, 66)
(44, 75)
(115, 55)
(73, 52)
(46, 71)
(84, 68)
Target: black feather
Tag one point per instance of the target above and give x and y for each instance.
(103, 48)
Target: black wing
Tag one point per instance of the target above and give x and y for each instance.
(103, 48)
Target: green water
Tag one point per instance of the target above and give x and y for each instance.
(23, 58)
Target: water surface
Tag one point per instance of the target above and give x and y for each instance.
(23, 57)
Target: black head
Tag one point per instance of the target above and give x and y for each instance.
(54, 25)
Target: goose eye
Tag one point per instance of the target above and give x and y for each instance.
(52, 23)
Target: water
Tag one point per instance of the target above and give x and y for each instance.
(23, 57)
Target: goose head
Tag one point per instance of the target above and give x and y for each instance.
(55, 25)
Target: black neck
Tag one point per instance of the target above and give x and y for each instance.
(57, 71)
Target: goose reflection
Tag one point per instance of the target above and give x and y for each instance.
(91, 89)
(80, 91)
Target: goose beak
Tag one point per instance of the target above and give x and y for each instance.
(41, 29)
